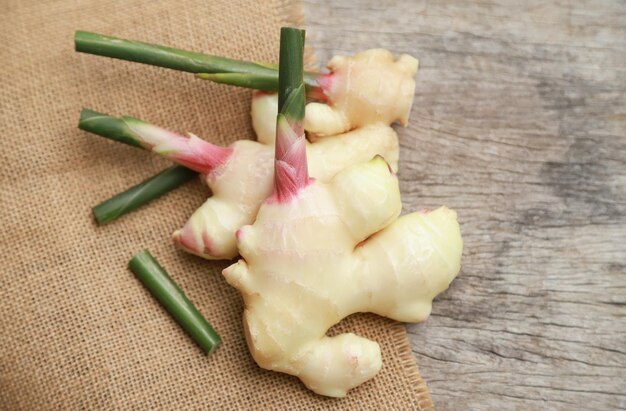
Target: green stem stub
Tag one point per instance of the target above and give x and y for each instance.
(107, 126)
(167, 292)
(263, 82)
(291, 96)
(142, 193)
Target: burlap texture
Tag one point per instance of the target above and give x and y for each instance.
(78, 331)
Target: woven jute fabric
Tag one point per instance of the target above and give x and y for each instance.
(77, 330)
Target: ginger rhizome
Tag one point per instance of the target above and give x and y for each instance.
(367, 88)
(240, 176)
(318, 240)
(365, 93)
(319, 252)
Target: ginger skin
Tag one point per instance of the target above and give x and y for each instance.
(367, 88)
(330, 251)
(319, 252)
(364, 89)
(241, 183)
(240, 176)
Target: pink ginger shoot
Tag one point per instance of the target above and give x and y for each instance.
(191, 152)
(290, 163)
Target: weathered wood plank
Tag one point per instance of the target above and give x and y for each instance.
(519, 124)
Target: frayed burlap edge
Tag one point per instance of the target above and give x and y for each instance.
(410, 365)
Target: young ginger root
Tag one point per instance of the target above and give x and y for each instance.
(332, 250)
(369, 87)
(365, 94)
(319, 252)
(240, 176)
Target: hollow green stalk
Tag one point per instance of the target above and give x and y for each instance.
(143, 193)
(169, 294)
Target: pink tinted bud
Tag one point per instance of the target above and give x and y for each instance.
(188, 239)
(290, 167)
(191, 152)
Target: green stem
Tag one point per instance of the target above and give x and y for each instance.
(142, 193)
(291, 87)
(107, 126)
(167, 292)
(260, 76)
(257, 82)
(290, 165)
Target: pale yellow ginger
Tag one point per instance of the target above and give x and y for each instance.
(367, 88)
(312, 261)
(241, 183)
(364, 89)
(319, 252)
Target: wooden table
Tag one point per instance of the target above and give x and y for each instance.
(519, 123)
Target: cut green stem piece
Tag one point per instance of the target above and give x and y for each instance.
(142, 193)
(291, 87)
(261, 76)
(162, 56)
(167, 292)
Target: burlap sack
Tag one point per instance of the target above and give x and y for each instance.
(78, 330)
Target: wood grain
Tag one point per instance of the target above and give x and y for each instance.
(519, 124)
